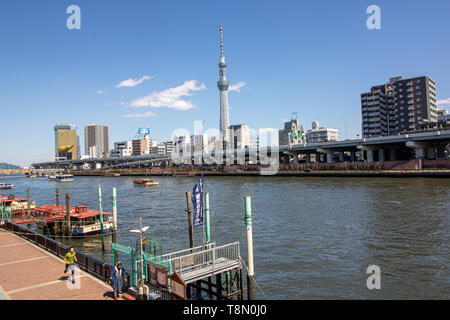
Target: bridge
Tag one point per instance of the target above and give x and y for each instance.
(421, 145)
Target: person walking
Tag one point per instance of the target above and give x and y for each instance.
(117, 280)
(70, 259)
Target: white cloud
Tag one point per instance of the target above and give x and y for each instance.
(236, 87)
(140, 115)
(99, 91)
(133, 82)
(170, 98)
(444, 102)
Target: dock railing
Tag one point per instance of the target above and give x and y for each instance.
(86, 262)
(209, 260)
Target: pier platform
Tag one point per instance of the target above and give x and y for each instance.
(28, 272)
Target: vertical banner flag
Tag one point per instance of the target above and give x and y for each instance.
(197, 202)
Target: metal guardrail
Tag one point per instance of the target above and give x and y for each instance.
(185, 252)
(208, 258)
(86, 262)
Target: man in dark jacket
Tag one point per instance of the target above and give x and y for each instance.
(117, 279)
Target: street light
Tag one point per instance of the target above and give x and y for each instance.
(141, 232)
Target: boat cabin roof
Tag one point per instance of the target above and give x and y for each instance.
(80, 212)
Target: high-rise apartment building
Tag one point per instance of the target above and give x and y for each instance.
(96, 136)
(66, 142)
(399, 106)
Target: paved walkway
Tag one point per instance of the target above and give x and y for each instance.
(28, 272)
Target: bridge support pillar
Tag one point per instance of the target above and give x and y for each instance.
(308, 158)
(419, 149)
(341, 156)
(431, 153)
(369, 152)
(369, 155)
(392, 155)
(295, 158)
(329, 154)
(380, 154)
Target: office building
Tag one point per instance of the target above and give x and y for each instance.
(96, 136)
(292, 133)
(122, 149)
(319, 134)
(66, 141)
(169, 146)
(399, 106)
(240, 136)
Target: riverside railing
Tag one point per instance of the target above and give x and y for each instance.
(86, 262)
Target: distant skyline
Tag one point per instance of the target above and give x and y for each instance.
(155, 64)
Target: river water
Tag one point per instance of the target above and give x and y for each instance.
(314, 238)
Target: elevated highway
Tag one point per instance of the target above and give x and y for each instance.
(425, 145)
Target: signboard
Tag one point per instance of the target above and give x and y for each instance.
(197, 202)
(178, 286)
(157, 276)
(162, 278)
(144, 131)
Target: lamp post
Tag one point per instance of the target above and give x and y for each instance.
(141, 232)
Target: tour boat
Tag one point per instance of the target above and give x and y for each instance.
(85, 222)
(6, 186)
(64, 177)
(145, 182)
(17, 204)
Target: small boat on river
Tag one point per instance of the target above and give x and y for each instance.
(146, 182)
(64, 177)
(6, 186)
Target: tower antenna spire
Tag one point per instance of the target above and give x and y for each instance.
(221, 41)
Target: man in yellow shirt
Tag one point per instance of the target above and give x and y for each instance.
(70, 259)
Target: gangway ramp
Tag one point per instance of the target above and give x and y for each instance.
(204, 261)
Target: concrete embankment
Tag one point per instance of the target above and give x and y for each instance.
(378, 173)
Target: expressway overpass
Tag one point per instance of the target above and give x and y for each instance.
(425, 145)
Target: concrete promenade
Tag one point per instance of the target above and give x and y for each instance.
(28, 272)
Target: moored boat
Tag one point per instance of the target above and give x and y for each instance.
(146, 182)
(83, 221)
(6, 186)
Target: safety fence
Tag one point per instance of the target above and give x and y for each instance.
(86, 262)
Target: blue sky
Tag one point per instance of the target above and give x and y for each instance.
(313, 58)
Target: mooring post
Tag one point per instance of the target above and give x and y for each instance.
(114, 212)
(251, 288)
(208, 230)
(68, 215)
(190, 221)
(28, 204)
(57, 202)
(1, 209)
(219, 286)
(101, 216)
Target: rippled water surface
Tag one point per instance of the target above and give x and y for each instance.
(314, 237)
